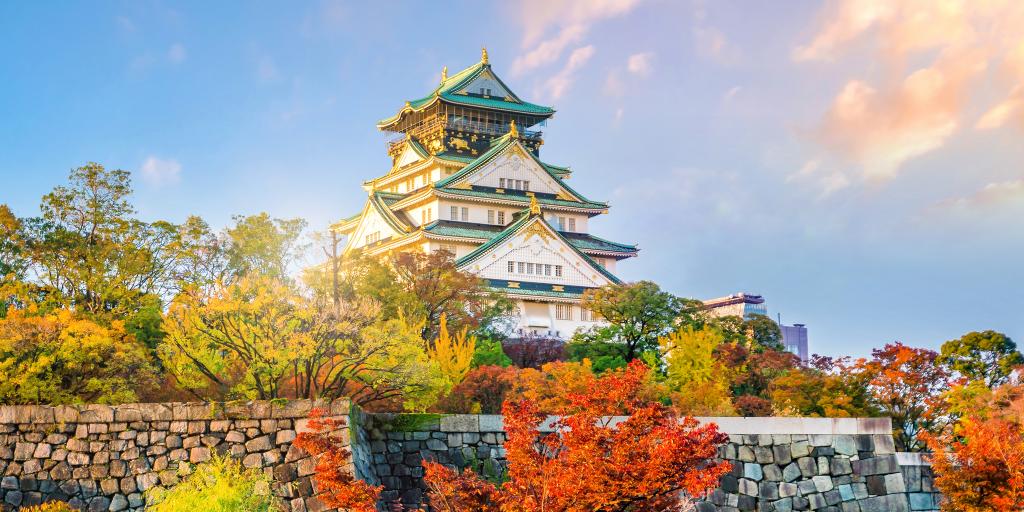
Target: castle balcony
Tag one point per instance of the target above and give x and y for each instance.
(434, 125)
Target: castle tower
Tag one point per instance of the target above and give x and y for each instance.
(466, 177)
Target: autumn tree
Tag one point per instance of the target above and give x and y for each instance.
(453, 353)
(982, 469)
(635, 315)
(826, 388)
(260, 338)
(752, 372)
(550, 386)
(61, 358)
(987, 356)
(588, 463)
(906, 384)
(698, 380)
(336, 484)
(483, 391)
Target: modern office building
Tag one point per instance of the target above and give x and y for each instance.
(746, 305)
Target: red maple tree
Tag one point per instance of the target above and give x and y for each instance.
(983, 468)
(592, 461)
(337, 487)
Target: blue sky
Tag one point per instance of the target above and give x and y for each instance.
(857, 162)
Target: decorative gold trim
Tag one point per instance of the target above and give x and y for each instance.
(557, 288)
(537, 229)
(534, 205)
(483, 55)
(513, 284)
(512, 130)
(499, 191)
(444, 74)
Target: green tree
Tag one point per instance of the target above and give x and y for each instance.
(258, 244)
(986, 356)
(490, 353)
(636, 315)
(759, 333)
(89, 250)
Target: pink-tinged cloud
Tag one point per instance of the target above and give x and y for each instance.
(640, 63)
(550, 27)
(991, 195)
(904, 111)
(558, 84)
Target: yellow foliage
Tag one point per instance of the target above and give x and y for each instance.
(50, 506)
(454, 354)
(699, 382)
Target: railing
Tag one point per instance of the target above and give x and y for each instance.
(491, 129)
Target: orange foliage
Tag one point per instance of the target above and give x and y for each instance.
(336, 486)
(550, 387)
(589, 464)
(983, 471)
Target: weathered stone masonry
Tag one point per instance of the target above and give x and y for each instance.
(779, 464)
(105, 458)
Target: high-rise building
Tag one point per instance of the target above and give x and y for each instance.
(746, 305)
(743, 305)
(794, 337)
(466, 177)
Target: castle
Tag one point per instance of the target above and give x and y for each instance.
(467, 178)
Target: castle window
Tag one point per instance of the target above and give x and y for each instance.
(572, 224)
(511, 267)
(547, 270)
(563, 311)
(561, 223)
(501, 182)
(455, 213)
(522, 267)
(501, 218)
(529, 268)
(465, 215)
(526, 185)
(490, 216)
(372, 237)
(586, 315)
(558, 271)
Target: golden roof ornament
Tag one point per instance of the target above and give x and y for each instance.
(534, 205)
(512, 130)
(444, 73)
(483, 55)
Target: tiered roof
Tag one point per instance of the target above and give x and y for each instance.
(450, 90)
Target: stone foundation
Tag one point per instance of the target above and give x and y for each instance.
(105, 458)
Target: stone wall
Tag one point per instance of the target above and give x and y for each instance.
(105, 458)
(779, 464)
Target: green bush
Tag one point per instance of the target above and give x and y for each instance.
(489, 353)
(220, 485)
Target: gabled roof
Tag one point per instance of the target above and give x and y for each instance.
(380, 202)
(498, 146)
(583, 241)
(514, 228)
(449, 90)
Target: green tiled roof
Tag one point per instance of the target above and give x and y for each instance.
(499, 145)
(535, 289)
(513, 228)
(582, 241)
(379, 202)
(552, 201)
(447, 91)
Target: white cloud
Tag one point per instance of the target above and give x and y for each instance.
(991, 195)
(158, 172)
(565, 23)
(177, 53)
(558, 84)
(640, 63)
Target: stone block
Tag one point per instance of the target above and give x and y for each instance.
(753, 472)
(768, 491)
(772, 472)
(884, 444)
(460, 423)
(745, 453)
(800, 449)
(492, 423)
(922, 501)
(763, 455)
(748, 487)
(783, 454)
(822, 483)
(791, 472)
(821, 439)
(808, 467)
(840, 466)
(894, 483)
(787, 489)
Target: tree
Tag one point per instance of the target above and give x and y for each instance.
(636, 315)
(483, 391)
(489, 352)
(752, 373)
(453, 354)
(259, 338)
(550, 386)
(61, 358)
(258, 244)
(90, 252)
(532, 351)
(12, 258)
(337, 487)
(698, 380)
(982, 468)
(758, 333)
(645, 462)
(829, 390)
(988, 356)
(906, 384)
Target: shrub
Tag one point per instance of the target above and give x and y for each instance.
(534, 351)
(481, 392)
(50, 506)
(490, 353)
(220, 485)
(336, 486)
